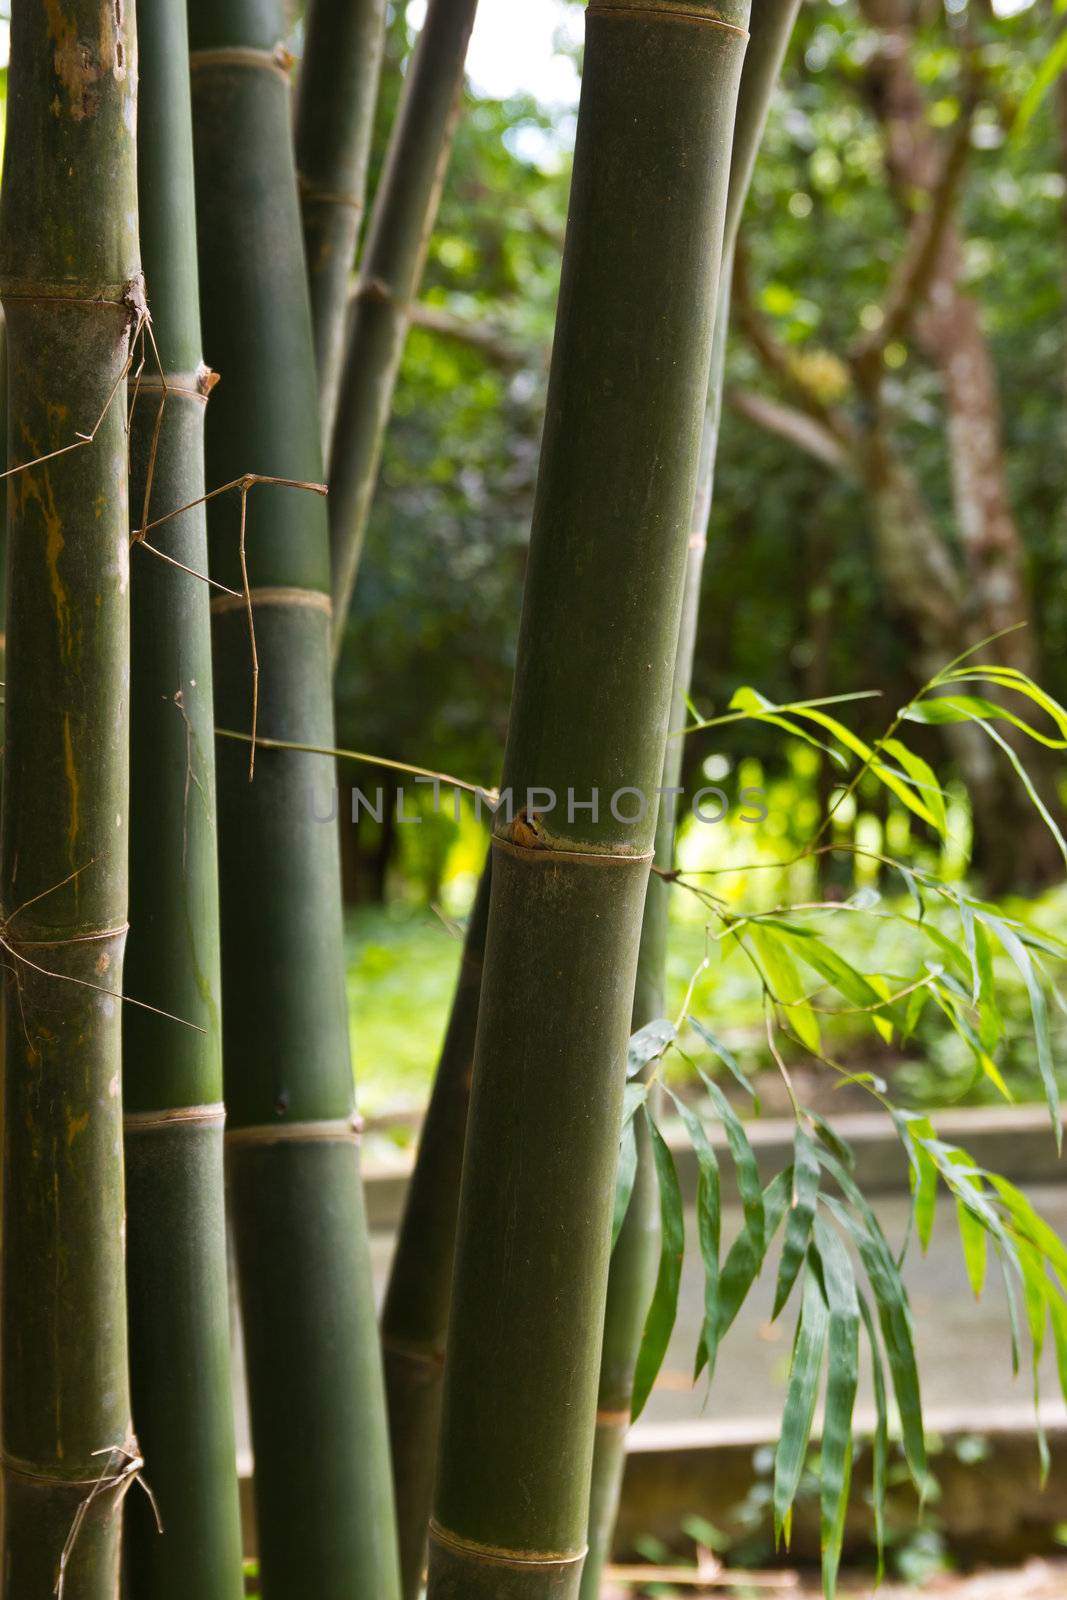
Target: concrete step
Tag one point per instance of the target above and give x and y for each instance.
(1014, 1140)
(708, 1452)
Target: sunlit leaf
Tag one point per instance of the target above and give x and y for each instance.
(786, 986)
(975, 1251)
(1018, 952)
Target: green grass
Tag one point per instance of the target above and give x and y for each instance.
(403, 959)
(401, 970)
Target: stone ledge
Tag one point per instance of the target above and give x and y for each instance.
(1014, 1140)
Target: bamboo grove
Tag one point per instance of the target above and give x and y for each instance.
(202, 343)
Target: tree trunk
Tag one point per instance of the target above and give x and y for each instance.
(950, 332)
(401, 221)
(415, 1314)
(72, 294)
(323, 1491)
(590, 712)
(172, 1075)
(338, 90)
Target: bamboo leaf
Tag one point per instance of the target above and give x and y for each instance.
(1035, 1295)
(805, 1369)
(924, 778)
(806, 1173)
(760, 709)
(709, 1222)
(742, 715)
(785, 985)
(859, 989)
(740, 1270)
(893, 1311)
(880, 1441)
(624, 1180)
(633, 1098)
(925, 1185)
(1058, 1317)
(912, 886)
(943, 995)
(728, 1059)
(1012, 678)
(974, 708)
(1013, 1312)
(659, 1324)
(841, 1385)
(1029, 1223)
(648, 1043)
(895, 782)
(831, 1140)
(973, 1241)
(990, 1021)
(745, 1166)
(1018, 952)
(1027, 783)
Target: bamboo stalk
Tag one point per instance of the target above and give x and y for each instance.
(633, 1265)
(590, 711)
(322, 1480)
(338, 88)
(172, 1075)
(72, 295)
(398, 234)
(415, 1313)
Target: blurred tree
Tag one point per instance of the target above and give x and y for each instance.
(853, 570)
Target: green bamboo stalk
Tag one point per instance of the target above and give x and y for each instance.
(632, 1275)
(338, 88)
(3, 520)
(398, 234)
(172, 1075)
(590, 712)
(415, 1312)
(73, 295)
(633, 1264)
(322, 1479)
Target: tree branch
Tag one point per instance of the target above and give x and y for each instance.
(776, 360)
(915, 271)
(491, 342)
(796, 427)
